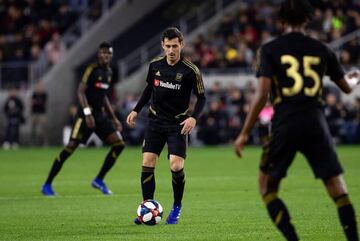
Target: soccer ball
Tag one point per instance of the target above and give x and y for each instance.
(150, 212)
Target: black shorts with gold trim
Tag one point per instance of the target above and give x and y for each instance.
(103, 128)
(308, 133)
(159, 132)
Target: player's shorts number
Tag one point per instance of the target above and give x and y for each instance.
(293, 73)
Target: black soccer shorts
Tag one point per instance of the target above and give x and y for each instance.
(157, 135)
(308, 133)
(103, 128)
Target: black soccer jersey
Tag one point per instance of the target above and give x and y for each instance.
(97, 80)
(296, 64)
(170, 88)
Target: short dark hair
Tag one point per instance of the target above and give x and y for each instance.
(105, 45)
(171, 33)
(295, 12)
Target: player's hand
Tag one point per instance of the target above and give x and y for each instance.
(131, 118)
(353, 78)
(117, 124)
(240, 143)
(90, 121)
(189, 125)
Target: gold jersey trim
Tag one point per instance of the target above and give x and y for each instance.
(87, 73)
(76, 128)
(157, 59)
(199, 81)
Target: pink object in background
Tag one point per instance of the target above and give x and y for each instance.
(266, 114)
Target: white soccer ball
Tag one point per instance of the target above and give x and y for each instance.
(150, 212)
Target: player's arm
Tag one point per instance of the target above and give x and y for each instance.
(109, 110)
(199, 91)
(257, 105)
(90, 121)
(144, 99)
(349, 82)
(346, 82)
(264, 72)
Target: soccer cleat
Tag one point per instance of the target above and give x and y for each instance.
(47, 190)
(174, 215)
(100, 184)
(137, 221)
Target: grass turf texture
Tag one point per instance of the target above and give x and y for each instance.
(221, 200)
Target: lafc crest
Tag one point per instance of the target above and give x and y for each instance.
(178, 77)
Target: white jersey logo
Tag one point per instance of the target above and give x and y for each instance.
(169, 85)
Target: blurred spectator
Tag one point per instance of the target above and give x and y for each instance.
(239, 34)
(38, 116)
(55, 49)
(13, 109)
(213, 124)
(132, 135)
(333, 116)
(265, 117)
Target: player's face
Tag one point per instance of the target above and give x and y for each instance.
(105, 55)
(172, 49)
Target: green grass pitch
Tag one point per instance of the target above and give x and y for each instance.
(221, 200)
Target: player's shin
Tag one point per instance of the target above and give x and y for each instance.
(280, 216)
(347, 217)
(111, 157)
(58, 163)
(148, 182)
(178, 183)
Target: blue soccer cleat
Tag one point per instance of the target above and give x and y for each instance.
(137, 221)
(47, 190)
(99, 184)
(174, 215)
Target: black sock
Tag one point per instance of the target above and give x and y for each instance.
(347, 217)
(280, 216)
(178, 183)
(59, 161)
(110, 159)
(148, 182)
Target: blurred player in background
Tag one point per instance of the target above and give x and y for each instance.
(91, 117)
(170, 81)
(291, 69)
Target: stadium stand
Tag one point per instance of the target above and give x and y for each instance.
(49, 40)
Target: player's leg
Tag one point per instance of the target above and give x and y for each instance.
(117, 146)
(154, 142)
(178, 184)
(278, 153)
(177, 145)
(47, 189)
(106, 131)
(269, 188)
(178, 177)
(324, 162)
(337, 190)
(148, 175)
(79, 133)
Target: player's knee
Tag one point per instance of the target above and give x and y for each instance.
(71, 146)
(118, 146)
(149, 162)
(176, 166)
(267, 184)
(149, 159)
(335, 186)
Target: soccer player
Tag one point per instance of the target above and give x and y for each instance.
(290, 69)
(170, 81)
(91, 117)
